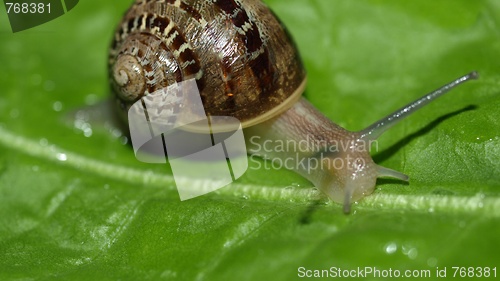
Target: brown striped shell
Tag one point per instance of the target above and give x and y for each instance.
(244, 61)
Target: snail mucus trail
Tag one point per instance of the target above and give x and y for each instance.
(246, 66)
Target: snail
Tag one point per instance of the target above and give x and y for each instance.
(247, 66)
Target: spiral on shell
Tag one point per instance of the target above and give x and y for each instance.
(244, 61)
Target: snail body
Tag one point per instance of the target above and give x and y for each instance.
(246, 66)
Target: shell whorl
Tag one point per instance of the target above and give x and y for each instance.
(244, 62)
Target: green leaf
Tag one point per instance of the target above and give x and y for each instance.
(75, 204)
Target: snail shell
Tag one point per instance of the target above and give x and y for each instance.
(244, 61)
